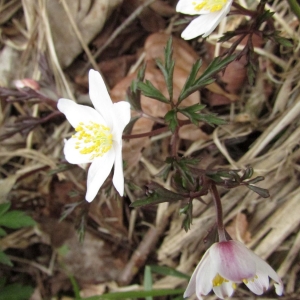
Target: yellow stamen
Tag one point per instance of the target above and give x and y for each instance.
(210, 5)
(218, 280)
(252, 280)
(93, 138)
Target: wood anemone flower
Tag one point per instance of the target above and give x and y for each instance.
(212, 13)
(98, 136)
(226, 264)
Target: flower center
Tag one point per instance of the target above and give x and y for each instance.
(210, 5)
(219, 280)
(93, 138)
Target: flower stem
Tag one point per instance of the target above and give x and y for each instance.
(219, 212)
(145, 134)
(295, 7)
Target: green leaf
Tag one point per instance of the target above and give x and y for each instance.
(168, 68)
(133, 94)
(190, 80)
(16, 219)
(211, 119)
(157, 194)
(215, 67)
(171, 120)
(164, 173)
(149, 90)
(192, 84)
(148, 281)
(137, 294)
(256, 179)
(4, 207)
(16, 291)
(2, 232)
(192, 112)
(129, 126)
(262, 192)
(4, 259)
(283, 41)
(167, 271)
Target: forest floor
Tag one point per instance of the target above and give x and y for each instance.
(48, 47)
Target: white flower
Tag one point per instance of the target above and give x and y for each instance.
(98, 137)
(226, 264)
(212, 11)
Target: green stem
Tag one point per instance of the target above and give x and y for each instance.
(295, 7)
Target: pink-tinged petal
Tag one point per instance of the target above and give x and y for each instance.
(205, 24)
(187, 7)
(224, 290)
(121, 118)
(263, 267)
(99, 96)
(118, 178)
(72, 155)
(233, 261)
(98, 172)
(259, 284)
(76, 113)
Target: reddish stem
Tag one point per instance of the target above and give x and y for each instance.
(219, 212)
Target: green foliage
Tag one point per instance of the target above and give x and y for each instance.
(137, 294)
(167, 271)
(188, 212)
(16, 291)
(192, 112)
(157, 194)
(129, 126)
(133, 95)
(16, 219)
(260, 191)
(168, 68)
(149, 90)
(193, 83)
(4, 259)
(13, 219)
(171, 119)
(148, 281)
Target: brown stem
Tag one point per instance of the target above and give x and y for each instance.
(150, 133)
(219, 212)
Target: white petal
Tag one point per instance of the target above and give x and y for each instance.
(186, 7)
(99, 96)
(76, 113)
(258, 285)
(72, 155)
(118, 178)
(205, 24)
(121, 118)
(205, 275)
(195, 285)
(264, 268)
(233, 261)
(98, 172)
(224, 290)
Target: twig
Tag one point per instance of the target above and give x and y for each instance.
(118, 31)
